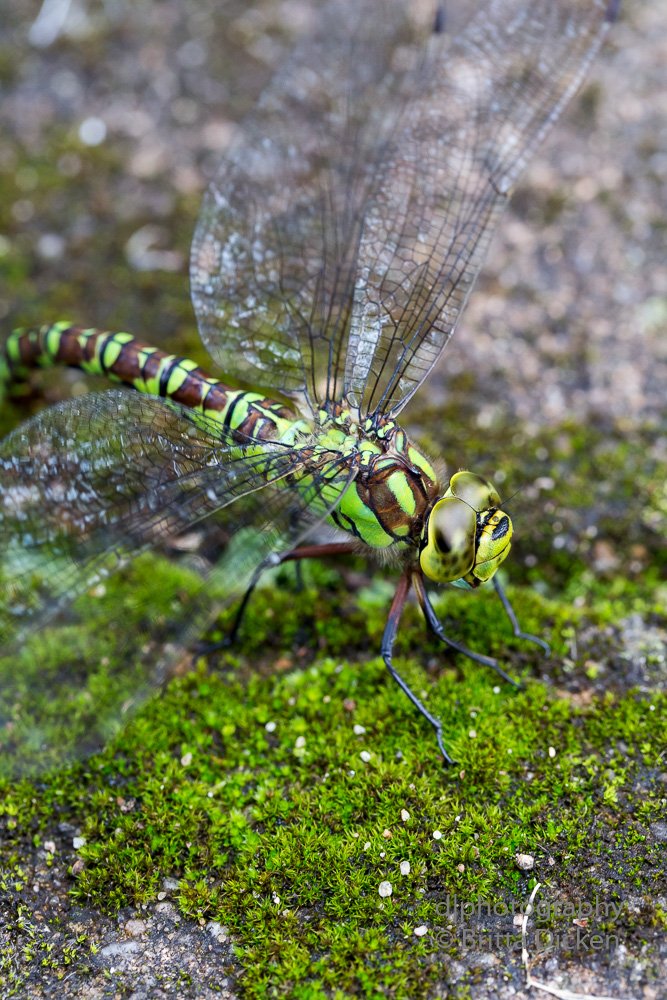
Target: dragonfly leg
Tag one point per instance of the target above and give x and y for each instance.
(298, 575)
(270, 561)
(509, 611)
(206, 648)
(277, 559)
(435, 625)
(319, 551)
(388, 638)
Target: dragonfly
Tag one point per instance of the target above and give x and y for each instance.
(334, 253)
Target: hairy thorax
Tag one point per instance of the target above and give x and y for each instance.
(394, 484)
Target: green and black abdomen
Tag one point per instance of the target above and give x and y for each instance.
(121, 358)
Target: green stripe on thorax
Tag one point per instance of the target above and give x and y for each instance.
(394, 485)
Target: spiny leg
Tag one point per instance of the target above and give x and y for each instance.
(437, 629)
(277, 559)
(388, 638)
(509, 611)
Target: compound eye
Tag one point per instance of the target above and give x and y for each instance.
(493, 545)
(454, 525)
(450, 550)
(473, 490)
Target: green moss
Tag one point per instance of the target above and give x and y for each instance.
(283, 833)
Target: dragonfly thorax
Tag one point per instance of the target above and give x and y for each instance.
(466, 536)
(393, 487)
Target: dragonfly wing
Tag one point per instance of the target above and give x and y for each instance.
(274, 254)
(86, 488)
(483, 104)
(337, 247)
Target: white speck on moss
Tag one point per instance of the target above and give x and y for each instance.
(385, 889)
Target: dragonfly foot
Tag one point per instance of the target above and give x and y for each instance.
(421, 708)
(517, 685)
(203, 648)
(509, 611)
(529, 637)
(438, 733)
(435, 626)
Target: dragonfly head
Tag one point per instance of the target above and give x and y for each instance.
(466, 536)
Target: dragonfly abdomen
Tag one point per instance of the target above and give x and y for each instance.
(121, 358)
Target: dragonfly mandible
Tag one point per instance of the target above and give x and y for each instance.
(334, 254)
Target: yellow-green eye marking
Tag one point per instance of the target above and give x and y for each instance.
(466, 536)
(494, 542)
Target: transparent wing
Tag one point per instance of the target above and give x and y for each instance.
(483, 105)
(86, 489)
(338, 244)
(275, 253)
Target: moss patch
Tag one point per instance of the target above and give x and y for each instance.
(275, 802)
